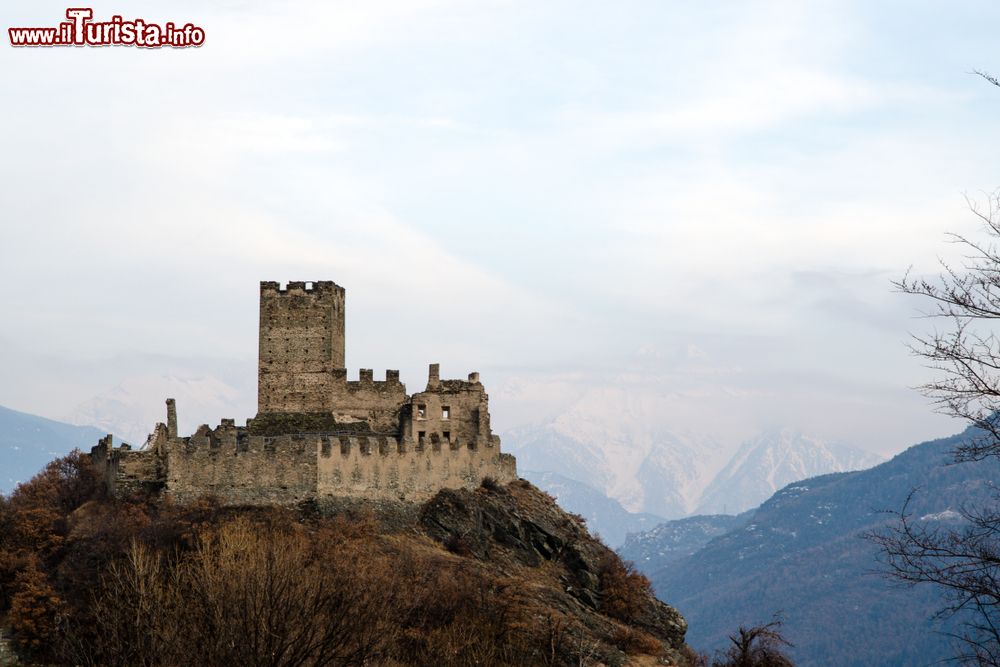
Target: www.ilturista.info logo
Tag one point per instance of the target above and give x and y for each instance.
(80, 30)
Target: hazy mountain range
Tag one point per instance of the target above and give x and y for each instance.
(28, 442)
(771, 460)
(801, 554)
(666, 475)
(133, 407)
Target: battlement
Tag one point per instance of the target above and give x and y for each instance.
(239, 468)
(270, 288)
(366, 382)
(241, 442)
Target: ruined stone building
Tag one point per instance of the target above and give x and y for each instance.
(318, 434)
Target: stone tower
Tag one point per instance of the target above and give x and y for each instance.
(301, 343)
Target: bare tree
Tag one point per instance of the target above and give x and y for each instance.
(964, 353)
(758, 646)
(964, 562)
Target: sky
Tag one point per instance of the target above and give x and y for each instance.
(705, 202)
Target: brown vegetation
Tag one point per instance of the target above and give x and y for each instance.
(624, 591)
(90, 580)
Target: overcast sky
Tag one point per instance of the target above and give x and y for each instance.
(705, 201)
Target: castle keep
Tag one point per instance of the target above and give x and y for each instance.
(318, 434)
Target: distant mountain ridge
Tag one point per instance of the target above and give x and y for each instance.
(774, 459)
(655, 472)
(659, 473)
(801, 553)
(28, 442)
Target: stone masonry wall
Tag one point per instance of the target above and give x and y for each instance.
(377, 402)
(385, 469)
(126, 470)
(450, 411)
(288, 469)
(255, 471)
(301, 343)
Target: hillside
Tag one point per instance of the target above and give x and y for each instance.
(28, 442)
(675, 540)
(499, 575)
(801, 554)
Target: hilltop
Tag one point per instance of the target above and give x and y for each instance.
(496, 575)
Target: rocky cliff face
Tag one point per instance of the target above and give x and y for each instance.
(518, 529)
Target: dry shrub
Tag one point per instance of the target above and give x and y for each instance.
(691, 658)
(458, 545)
(452, 612)
(246, 594)
(636, 642)
(33, 532)
(625, 592)
(63, 485)
(34, 611)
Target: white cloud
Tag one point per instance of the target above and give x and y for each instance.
(501, 183)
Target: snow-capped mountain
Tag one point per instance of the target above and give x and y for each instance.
(619, 442)
(133, 407)
(614, 441)
(771, 460)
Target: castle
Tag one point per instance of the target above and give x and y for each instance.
(317, 434)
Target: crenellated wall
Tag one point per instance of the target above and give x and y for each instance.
(250, 470)
(241, 469)
(391, 469)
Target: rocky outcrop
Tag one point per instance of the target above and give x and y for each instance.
(520, 530)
